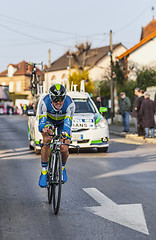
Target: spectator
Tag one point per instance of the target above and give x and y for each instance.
(24, 109)
(124, 109)
(155, 102)
(147, 111)
(98, 102)
(134, 111)
(30, 106)
(15, 109)
(141, 131)
(21, 110)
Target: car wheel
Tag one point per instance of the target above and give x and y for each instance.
(102, 149)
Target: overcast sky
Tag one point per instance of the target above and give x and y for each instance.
(29, 28)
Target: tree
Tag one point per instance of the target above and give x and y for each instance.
(80, 57)
(77, 76)
(104, 87)
(119, 75)
(119, 80)
(146, 78)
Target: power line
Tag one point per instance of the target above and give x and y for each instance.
(30, 36)
(19, 21)
(36, 25)
(128, 24)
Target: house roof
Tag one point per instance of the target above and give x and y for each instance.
(21, 69)
(138, 45)
(96, 53)
(148, 29)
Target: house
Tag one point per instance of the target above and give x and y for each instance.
(17, 78)
(143, 53)
(98, 65)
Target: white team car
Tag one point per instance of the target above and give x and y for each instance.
(89, 127)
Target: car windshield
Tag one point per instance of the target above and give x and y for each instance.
(84, 106)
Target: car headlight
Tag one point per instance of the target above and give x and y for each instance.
(102, 123)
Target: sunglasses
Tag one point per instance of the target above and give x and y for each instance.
(57, 99)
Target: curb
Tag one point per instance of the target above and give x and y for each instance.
(134, 137)
(117, 134)
(140, 139)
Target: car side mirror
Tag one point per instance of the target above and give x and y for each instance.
(31, 112)
(103, 109)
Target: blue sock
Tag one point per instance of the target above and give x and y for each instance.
(44, 166)
(63, 165)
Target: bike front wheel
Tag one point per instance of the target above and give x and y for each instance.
(57, 184)
(49, 178)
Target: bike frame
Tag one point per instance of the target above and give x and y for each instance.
(54, 180)
(34, 78)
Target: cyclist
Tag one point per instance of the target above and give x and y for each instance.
(55, 109)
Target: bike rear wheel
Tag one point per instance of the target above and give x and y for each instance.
(49, 179)
(57, 185)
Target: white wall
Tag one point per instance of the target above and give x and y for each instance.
(152, 92)
(145, 55)
(103, 67)
(55, 77)
(19, 102)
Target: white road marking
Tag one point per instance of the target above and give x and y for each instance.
(17, 153)
(129, 215)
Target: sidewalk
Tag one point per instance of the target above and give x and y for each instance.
(117, 130)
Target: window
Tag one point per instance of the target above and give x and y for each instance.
(65, 81)
(27, 84)
(64, 76)
(84, 106)
(53, 78)
(18, 86)
(11, 86)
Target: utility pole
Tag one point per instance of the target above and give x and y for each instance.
(111, 85)
(49, 58)
(69, 56)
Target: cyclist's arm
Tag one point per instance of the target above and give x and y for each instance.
(68, 120)
(42, 115)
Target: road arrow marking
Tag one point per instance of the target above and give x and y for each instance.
(129, 215)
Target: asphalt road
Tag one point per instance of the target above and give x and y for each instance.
(108, 196)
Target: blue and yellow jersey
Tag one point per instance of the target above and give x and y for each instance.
(63, 116)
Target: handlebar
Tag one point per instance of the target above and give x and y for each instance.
(58, 137)
(34, 64)
(67, 144)
(31, 64)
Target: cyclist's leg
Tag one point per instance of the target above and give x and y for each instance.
(64, 153)
(64, 148)
(45, 153)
